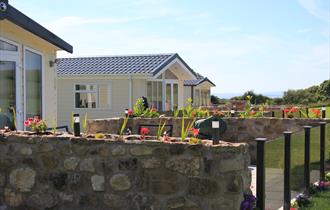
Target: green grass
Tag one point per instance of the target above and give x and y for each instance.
(274, 154)
(319, 201)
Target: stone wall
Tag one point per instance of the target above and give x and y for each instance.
(238, 129)
(44, 172)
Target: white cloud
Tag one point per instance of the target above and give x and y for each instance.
(318, 8)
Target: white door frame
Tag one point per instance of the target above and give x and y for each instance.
(14, 56)
(171, 82)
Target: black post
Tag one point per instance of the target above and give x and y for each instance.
(322, 150)
(307, 157)
(76, 125)
(324, 110)
(261, 173)
(283, 114)
(287, 166)
(273, 114)
(215, 130)
(307, 111)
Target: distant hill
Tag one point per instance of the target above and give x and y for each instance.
(272, 94)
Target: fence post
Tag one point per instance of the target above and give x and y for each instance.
(261, 173)
(307, 111)
(322, 150)
(307, 157)
(287, 166)
(283, 114)
(273, 114)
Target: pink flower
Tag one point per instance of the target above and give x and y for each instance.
(130, 112)
(286, 110)
(27, 123)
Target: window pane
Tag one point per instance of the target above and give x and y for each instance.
(80, 87)
(160, 96)
(149, 91)
(7, 46)
(104, 96)
(7, 91)
(154, 95)
(175, 96)
(85, 100)
(33, 75)
(196, 98)
(86, 87)
(168, 97)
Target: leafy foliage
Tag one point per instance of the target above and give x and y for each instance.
(139, 107)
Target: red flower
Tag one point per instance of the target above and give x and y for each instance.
(144, 131)
(317, 112)
(286, 110)
(293, 109)
(195, 131)
(193, 114)
(293, 208)
(251, 113)
(130, 112)
(30, 119)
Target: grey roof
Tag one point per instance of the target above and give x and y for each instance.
(20, 19)
(200, 79)
(129, 64)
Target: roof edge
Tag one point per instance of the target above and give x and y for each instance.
(20, 19)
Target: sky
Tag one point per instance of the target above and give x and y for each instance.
(260, 45)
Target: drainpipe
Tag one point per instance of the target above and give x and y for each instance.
(130, 92)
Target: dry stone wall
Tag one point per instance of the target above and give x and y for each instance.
(44, 172)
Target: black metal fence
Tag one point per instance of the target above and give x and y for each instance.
(290, 160)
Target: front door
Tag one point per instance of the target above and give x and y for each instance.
(171, 102)
(11, 113)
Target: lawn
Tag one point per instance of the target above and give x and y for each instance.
(274, 155)
(320, 201)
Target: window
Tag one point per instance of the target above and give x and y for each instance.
(7, 46)
(197, 97)
(33, 84)
(92, 96)
(155, 94)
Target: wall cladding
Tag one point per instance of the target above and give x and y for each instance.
(44, 172)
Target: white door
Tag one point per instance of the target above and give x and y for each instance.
(10, 85)
(171, 98)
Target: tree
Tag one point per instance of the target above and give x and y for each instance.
(215, 100)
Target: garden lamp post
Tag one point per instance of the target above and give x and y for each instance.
(126, 112)
(215, 129)
(232, 113)
(76, 124)
(324, 109)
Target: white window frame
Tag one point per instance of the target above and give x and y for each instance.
(42, 80)
(15, 56)
(97, 91)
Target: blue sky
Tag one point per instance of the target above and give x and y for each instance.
(241, 45)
